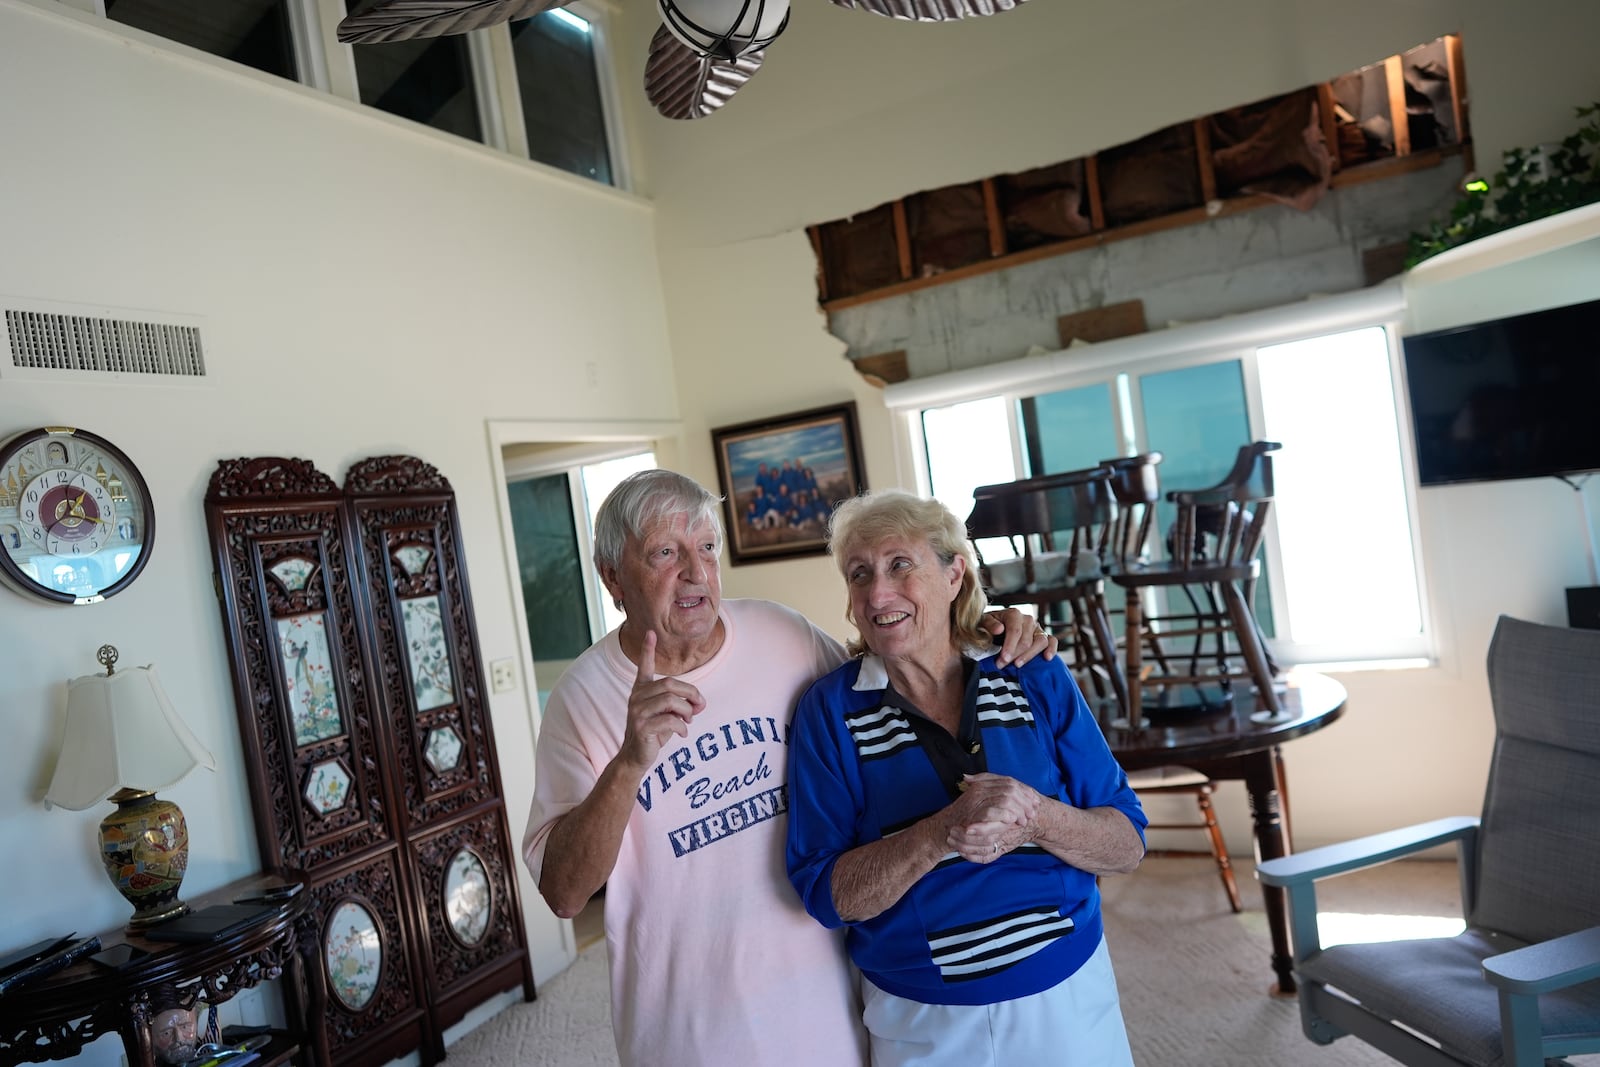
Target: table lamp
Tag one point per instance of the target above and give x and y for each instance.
(124, 740)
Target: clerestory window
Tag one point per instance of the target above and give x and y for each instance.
(541, 88)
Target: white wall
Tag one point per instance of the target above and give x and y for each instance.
(850, 111)
(364, 286)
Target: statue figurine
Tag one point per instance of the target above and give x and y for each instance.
(172, 1036)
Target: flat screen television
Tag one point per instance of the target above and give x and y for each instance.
(1517, 397)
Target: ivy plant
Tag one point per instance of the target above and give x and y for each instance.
(1531, 185)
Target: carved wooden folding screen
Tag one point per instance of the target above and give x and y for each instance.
(446, 775)
(370, 751)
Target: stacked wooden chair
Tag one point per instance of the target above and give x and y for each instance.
(1070, 534)
(1058, 525)
(1211, 560)
(1135, 485)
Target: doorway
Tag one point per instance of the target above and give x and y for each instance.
(552, 497)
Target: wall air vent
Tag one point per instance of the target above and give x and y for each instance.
(45, 341)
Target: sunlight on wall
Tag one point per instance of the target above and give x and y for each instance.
(1345, 928)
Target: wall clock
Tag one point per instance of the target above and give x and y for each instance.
(76, 523)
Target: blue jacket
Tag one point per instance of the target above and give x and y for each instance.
(965, 933)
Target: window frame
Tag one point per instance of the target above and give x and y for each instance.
(1121, 361)
(305, 27)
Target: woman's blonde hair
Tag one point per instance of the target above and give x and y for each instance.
(874, 517)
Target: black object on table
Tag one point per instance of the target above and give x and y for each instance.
(14, 961)
(34, 966)
(209, 923)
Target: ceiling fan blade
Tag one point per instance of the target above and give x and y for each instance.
(405, 20)
(931, 10)
(682, 84)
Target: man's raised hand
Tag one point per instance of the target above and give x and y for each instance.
(657, 708)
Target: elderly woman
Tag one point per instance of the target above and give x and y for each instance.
(660, 774)
(953, 813)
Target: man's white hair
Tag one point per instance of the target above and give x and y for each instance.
(642, 498)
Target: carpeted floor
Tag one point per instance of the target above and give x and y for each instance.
(569, 1025)
(1193, 976)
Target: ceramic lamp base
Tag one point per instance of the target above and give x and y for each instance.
(145, 847)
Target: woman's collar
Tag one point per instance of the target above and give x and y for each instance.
(874, 674)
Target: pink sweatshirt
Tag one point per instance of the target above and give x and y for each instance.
(713, 959)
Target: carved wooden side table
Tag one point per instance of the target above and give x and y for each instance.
(57, 1016)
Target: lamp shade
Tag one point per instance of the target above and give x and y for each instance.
(121, 733)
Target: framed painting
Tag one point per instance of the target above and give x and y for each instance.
(781, 479)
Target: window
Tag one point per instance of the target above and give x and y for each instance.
(558, 81)
(429, 81)
(253, 32)
(552, 572)
(1341, 494)
(1071, 429)
(1341, 576)
(956, 468)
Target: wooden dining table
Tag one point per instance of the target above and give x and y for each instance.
(1241, 742)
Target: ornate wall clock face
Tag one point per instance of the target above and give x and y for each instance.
(76, 523)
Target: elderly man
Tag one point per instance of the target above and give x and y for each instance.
(661, 775)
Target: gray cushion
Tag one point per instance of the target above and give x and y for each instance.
(1539, 852)
(1436, 987)
(1539, 862)
(1051, 569)
(1007, 576)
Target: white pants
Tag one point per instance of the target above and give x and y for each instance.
(1077, 1022)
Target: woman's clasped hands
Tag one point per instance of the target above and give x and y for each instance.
(993, 815)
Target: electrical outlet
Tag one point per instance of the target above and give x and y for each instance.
(503, 675)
